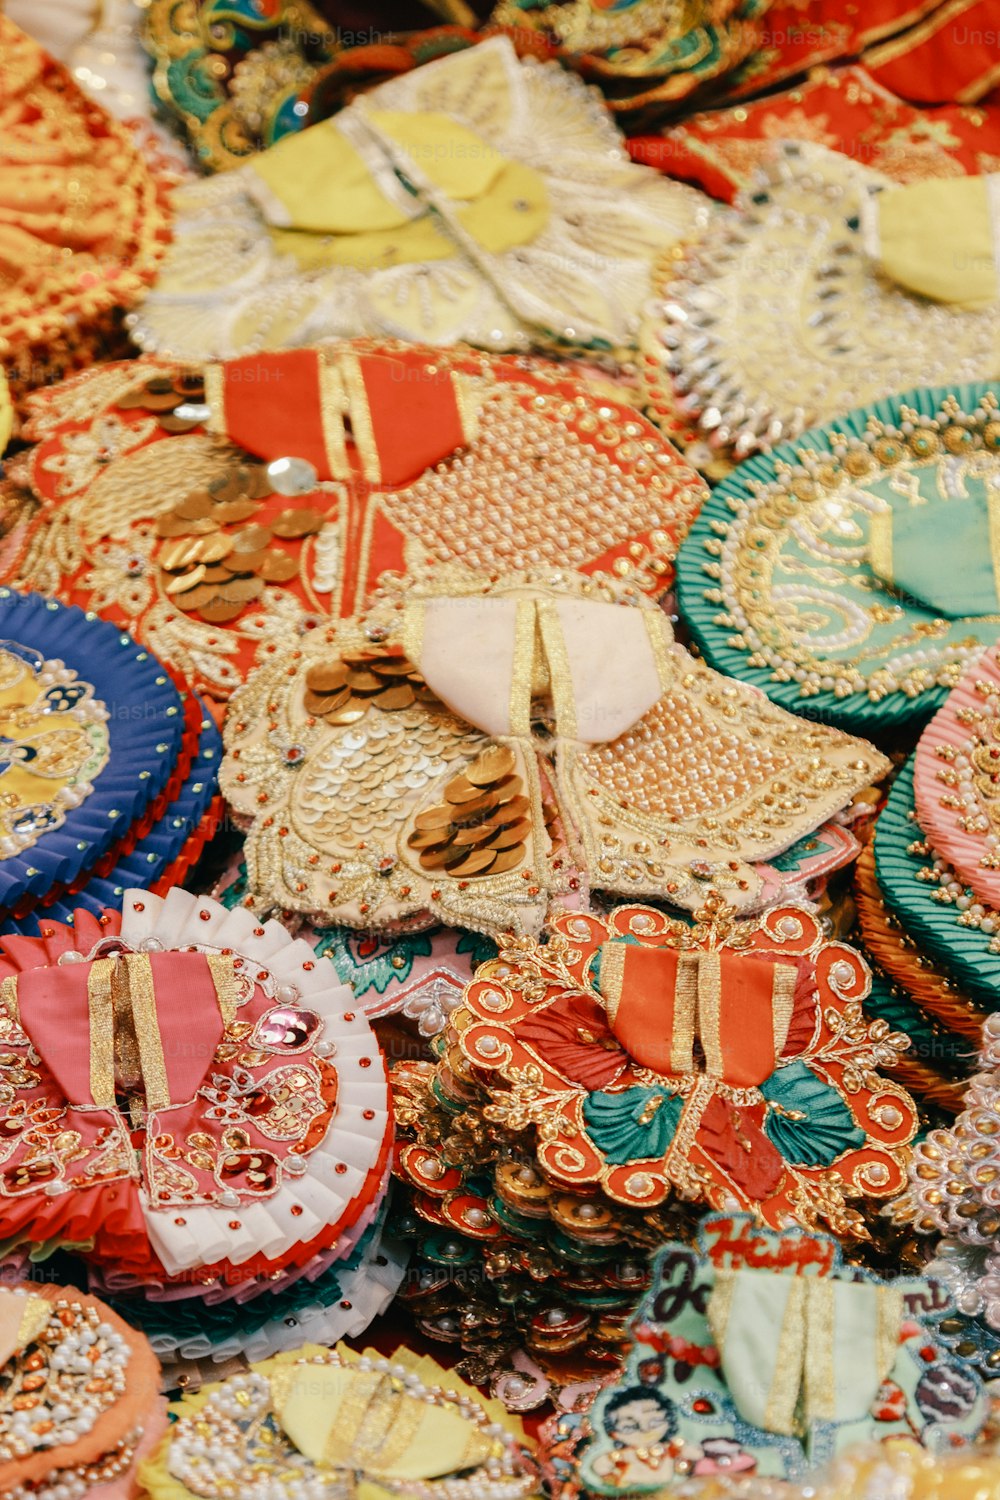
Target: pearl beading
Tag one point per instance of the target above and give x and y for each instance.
(82, 1352)
(219, 1463)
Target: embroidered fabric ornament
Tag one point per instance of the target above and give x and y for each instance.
(951, 1189)
(903, 962)
(340, 1301)
(915, 1473)
(250, 1148)
(186, 817)
(233, 77)
(956, 774)
(932, 903)
(479, 199)
(419, 974)
(802, 871)
(80, 769)
(163, 495)
(83, 224)
(144, 836)
(335, 1423)
(718, 1063)
(843, 110)
(645, 56)
(970, 1272)
(759, 1352)
(721, 346)
(887, 499)
(917, 998)
(798, 39)
(507, 1265)
(78, 1411)
(473, 816)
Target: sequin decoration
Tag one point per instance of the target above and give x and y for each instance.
(823, 573)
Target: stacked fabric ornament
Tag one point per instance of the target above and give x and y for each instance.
(760, 1353)
(468, 750)
(80, 1407)
(928, 892)
(917, 997)
(83, 222)
(223, 1129)
(935, 842)
(593, 1084)
(879, 275)
(645, 57)
(846, 574)
(109, 768)
(480, 198)
(186, 506)
(332, 1422)
(952, 1194)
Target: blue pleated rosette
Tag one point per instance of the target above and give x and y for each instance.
(152, 856)
(146, 731)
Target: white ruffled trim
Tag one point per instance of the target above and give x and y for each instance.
(324, 1196)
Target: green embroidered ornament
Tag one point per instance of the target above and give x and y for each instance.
(940, 914)
(808, 1122)
(853, 573)
(759, 1352)
(632, 1126)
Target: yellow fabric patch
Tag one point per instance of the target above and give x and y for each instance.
(318, 181)
(378, 249)
(455, 159)
(936, 238)
(514, 211)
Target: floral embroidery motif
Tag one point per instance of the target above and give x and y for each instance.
(592, 1041)
(150, 516)
(376, 803)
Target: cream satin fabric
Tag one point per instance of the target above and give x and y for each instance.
(22, 1318)
(59, 25)
(602, 665)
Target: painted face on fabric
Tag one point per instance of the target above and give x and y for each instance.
(640, 1423)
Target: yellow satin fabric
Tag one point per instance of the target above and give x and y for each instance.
(352, 1419)
(936, 238)
(6, 412)
(327, 204)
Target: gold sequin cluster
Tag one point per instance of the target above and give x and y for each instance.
(341, 690)
(481, 826)
(212, 562)
(167, 394)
